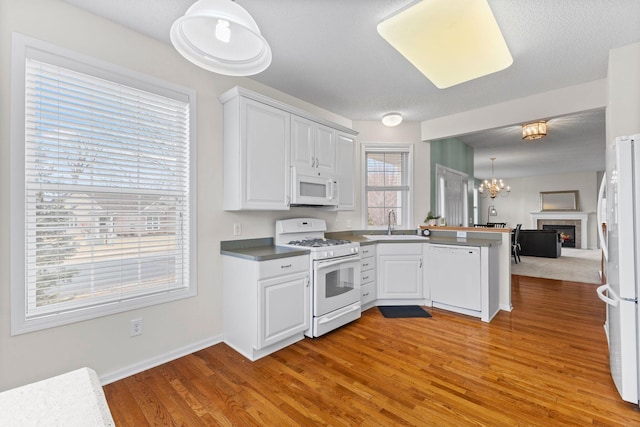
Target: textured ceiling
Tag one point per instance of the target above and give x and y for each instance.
(329, 53)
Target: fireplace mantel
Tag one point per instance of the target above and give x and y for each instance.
(583, 217)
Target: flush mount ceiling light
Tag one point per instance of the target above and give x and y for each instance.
(449, 41)
(221, 36)
(392, 119)
(536, 130)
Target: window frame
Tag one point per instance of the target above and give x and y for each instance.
(24, 47)
(407, 214)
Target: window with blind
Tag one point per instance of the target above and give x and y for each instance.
(387, 185)
(106, 167)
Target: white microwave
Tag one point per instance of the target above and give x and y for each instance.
(313, 189)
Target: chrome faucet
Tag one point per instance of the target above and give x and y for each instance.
(391, 214)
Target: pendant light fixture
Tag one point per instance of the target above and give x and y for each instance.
(493, 187)
(221, 36)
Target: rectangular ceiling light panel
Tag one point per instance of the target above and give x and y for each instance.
(449, 41)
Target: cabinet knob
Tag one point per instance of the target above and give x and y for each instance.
(286, 266)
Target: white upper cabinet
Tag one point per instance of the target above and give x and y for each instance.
(263, 139)
(345, 162)
(313, 147)
(256, 156)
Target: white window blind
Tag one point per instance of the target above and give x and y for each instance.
(387, 185)
(106, 193)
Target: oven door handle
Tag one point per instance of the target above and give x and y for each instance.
(340, 314)
(324, 264)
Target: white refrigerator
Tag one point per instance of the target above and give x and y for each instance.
(622, 249)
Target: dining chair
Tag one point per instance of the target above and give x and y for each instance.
(515, 243)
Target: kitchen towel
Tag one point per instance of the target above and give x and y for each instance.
(392, 311)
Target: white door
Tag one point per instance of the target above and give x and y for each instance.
(266, 145)
(302, 144)
(346, 157)
(400, 276)
(325, 150)
(283, 308)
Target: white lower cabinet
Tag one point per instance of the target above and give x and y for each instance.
(368, 276)
(266, 303)
(399, 272)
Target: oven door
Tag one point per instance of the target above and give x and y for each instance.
(336, 284)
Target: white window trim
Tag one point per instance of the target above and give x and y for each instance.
(23, 47)
(386, 148)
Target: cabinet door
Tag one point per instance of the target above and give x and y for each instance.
(325, 150)
(345, 161)
(283, 308)
(302, 143)
(265, 139)
(399, 276)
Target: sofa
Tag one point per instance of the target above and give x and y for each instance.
(542, 243)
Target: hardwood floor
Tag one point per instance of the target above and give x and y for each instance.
(545, 363)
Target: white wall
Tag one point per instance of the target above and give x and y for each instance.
(525, 198)
(175, 328)
(623, 108)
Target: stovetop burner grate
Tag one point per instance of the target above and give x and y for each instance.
(318, 243)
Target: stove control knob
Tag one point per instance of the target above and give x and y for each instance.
(330, 253)
(354, 250)
(324, 254)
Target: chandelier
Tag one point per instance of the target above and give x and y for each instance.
(493, 187)
(536, 130)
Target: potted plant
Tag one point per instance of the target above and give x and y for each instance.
(431, 218)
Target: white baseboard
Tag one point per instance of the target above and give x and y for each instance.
(506, 307)
(158, 360)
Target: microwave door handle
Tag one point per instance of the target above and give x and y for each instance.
(332, 189)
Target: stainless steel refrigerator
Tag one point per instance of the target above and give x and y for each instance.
(622, 249)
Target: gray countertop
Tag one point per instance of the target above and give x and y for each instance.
(263, 249)
(258, 249)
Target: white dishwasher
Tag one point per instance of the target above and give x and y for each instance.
(455, 276)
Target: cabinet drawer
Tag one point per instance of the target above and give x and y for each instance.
(367, 277)
(282, 266)
(367, 263)
(367, 251)
(368, 293)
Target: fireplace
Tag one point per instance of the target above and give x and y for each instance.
(567, 234)
(579, 220)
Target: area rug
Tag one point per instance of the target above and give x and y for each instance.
(575, 265)
(397, 311)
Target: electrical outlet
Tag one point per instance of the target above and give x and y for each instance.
(237, 229)
(135, 327)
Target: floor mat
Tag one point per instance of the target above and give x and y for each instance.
(392, 311)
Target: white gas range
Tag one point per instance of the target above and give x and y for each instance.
(335, 272)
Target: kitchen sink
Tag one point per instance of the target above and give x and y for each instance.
(393, 237)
